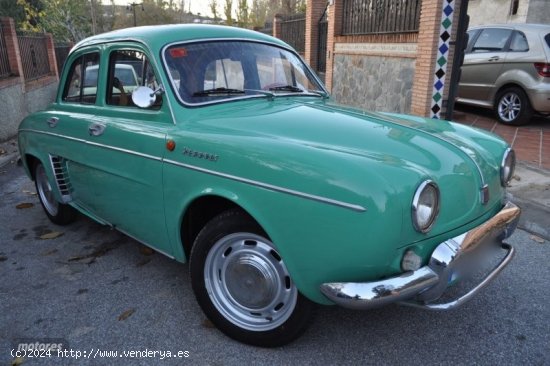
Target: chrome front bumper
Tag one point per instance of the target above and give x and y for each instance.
(421, 287)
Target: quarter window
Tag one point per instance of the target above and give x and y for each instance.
(81, 83)
(129, 69)
(492, 40)
(519, 43)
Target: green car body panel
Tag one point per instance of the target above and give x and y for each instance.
(331, 186)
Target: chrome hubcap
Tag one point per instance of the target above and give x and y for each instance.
(509, 107)
(248, 282)
(45, 191)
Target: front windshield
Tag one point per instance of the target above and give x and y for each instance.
(223, 70)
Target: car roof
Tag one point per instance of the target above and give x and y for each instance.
(158, 36)
(520, 26)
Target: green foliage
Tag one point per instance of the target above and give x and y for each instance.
(214, 9)
(228, 12)
(242, 14)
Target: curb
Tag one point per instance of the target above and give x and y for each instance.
(534, 218)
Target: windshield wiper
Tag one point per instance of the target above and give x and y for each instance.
(319, 93)
(290, 88)
(208, 92)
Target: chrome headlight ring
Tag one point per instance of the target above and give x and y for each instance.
(507, 167)
(425, 206)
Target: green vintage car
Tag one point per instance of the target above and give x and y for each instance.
(231, 155)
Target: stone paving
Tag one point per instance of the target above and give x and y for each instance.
(530, 142)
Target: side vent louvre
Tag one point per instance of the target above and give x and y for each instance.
(59, 166)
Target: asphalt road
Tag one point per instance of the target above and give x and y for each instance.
(76, 287)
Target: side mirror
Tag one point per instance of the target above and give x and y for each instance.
(144, 97)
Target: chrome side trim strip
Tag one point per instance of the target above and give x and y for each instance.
(131, 152)
(271, 187)
(330, 201)
(53, 134)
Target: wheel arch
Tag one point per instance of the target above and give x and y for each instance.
(507, 86)
(201, 210)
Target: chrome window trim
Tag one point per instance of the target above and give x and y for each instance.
(414, 206)
(205, 40)
(330, 201)
(78, 46)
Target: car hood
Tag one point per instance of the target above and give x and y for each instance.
(352, 155)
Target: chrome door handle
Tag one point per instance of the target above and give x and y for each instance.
(494, 58)
(52, 121)
(96, 129)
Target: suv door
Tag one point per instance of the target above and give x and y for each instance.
(126, 147)
(483, 64)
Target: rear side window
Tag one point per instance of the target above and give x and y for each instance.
(81, 83)
(492, 40)
(547, 38)
(519, 43)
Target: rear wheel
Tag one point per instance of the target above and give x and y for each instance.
(243, 285)
(513, 107)
(58, 213)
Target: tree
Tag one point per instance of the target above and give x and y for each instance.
(150, 12)
(228, 12)
(12, 9)
(214, 9)
(242, 13)
(258, 13)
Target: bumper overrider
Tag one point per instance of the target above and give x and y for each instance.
(422, 287)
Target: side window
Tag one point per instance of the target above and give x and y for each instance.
(129, 69)
(81, 83)
(492, 40)
(519, 43)
(224, 73)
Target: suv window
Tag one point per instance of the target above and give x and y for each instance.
(129, 69)
(547, 38)
(519, 43)
(492, 40)
(81, 84)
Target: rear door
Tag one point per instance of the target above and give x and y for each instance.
(68, 128)
(483, 64)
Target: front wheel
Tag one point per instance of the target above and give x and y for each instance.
(243, 285)
(58, 213)
(513, 107)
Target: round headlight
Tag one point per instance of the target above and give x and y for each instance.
(425, 206)
(507, 167)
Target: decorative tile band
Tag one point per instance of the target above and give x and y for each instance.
(442, 59)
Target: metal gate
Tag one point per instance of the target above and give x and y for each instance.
(322, 45)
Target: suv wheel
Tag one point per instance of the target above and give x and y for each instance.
(513, 107)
